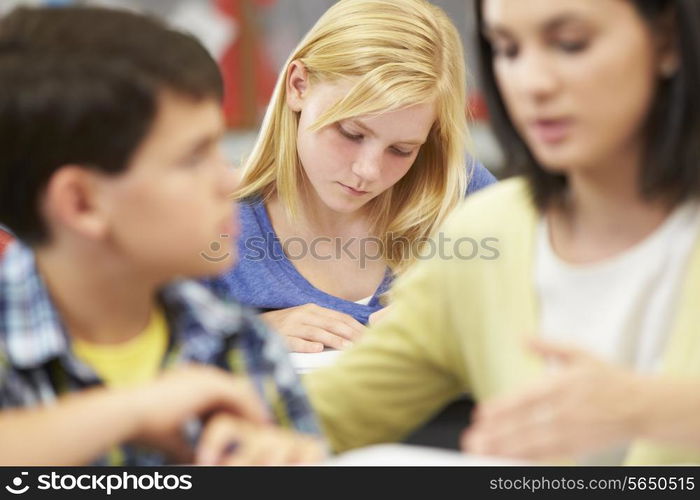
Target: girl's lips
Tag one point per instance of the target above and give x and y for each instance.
(353, 191)
(551, 131)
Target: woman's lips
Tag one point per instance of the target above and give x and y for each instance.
(550, 131)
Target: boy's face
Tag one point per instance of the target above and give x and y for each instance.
(170, 213)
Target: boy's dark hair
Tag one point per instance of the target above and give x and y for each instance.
(672, 160)
(80, 85)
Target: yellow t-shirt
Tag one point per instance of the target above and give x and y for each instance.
(134, 361)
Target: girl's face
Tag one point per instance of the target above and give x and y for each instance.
(578, 78)
(350, 162)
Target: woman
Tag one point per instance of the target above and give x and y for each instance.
(360, 157)
(598, 106)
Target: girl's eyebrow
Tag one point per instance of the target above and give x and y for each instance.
(368, 130)
(359, 123)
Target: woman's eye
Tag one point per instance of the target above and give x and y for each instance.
(509, 51)
(572, 46)
(349, 135)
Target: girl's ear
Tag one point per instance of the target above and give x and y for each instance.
(297, 85)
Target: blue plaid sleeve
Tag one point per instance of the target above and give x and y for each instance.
(269, 365)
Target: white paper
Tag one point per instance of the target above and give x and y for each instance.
(412, 456)
(305, 362)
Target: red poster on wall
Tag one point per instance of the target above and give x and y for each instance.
(249, 75)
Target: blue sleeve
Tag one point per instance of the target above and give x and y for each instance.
(270, 367)
(480, 176)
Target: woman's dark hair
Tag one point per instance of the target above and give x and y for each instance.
(80, 86)
(672, 161)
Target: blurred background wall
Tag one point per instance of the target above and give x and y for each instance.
(252, 39)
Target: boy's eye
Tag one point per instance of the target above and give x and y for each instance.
(349, 135)
(193, 160)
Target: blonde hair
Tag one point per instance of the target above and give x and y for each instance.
(401, 53)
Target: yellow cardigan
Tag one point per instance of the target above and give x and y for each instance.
(457, 326)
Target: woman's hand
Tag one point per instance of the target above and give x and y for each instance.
(585, 406)
(309, 328)
(228, 440)
(377, 316)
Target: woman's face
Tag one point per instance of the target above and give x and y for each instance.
(350, 162)
(578, 78)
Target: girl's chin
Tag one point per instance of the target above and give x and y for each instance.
(345, 209)
(344, 206)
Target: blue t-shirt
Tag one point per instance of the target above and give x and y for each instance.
(264, 278)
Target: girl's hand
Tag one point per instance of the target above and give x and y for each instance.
(309, 328)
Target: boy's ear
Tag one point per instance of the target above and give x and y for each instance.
(297, 85)
(71, 200)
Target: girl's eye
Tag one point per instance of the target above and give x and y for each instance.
(350, 135)
(400, 152)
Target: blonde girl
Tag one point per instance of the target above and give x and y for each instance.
(361, 155)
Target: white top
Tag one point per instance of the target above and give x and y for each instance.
(621, 309)
(364, 301)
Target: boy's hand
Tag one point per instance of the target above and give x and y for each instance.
(309, 328)
(229, 440)
(163, 407)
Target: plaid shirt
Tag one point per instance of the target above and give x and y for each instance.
(37, 364)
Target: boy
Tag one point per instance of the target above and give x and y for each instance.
(112, 181)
